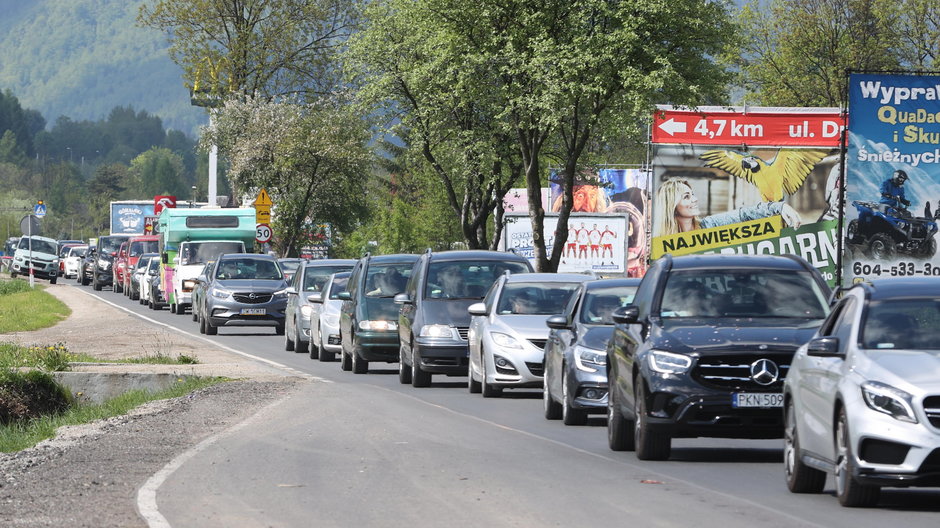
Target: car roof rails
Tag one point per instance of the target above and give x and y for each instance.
(428, 251)
(512, 250)
(367, 254)
(592, 273)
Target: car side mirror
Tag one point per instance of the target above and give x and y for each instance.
(824, 347)
(315, 297)
(344, 296)
(165, 258)
(629, 314)
(402, 298)
(473, 309)
(557, 322)
(176, 260)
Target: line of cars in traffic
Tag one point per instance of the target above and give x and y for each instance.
(702, 346)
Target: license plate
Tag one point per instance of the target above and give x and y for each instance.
(756, 399)
(253, 311)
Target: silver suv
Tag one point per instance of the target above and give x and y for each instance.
(862, 398)
(245, 290)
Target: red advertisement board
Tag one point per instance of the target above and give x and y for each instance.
(163, 202)
(796, 127)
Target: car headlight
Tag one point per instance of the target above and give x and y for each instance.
(378, 325)
(102, 263)
(889, 400)
(189, 285)
(306, 310)
(331, 320)
(589, 360)
(437, 330)
(504, 340)
(668, 362)
(221, 294)
(280, 294)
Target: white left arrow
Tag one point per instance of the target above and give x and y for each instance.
(672, 126)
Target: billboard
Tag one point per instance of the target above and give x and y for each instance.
(129, 217)
(892, 176)
(595, 242)
(764, 181)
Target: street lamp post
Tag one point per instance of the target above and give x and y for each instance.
(70, 153)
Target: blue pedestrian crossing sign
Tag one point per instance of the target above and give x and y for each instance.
(40, 209)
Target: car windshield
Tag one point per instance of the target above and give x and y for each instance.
(316, 276)
(338, 286)
(153, 266)
(192, 253)
(289, 265)
(248, 269)
(386, 279)
(740, 293)
(139, 247)
(535, 298)
(142, 264)
(108, 245)
(39, 246)
(466, 279)
(78, 251)
(902, 323)
(599, 304)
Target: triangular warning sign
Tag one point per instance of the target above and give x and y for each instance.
(263, 198)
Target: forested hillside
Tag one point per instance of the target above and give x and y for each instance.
(82, 58)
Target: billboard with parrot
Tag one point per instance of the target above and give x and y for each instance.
(747, 180)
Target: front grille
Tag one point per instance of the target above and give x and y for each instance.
(252, 298)
(535, 368)
(539, 343)
(932, 408)
(463, 332)
(734, 371)
(918, 231)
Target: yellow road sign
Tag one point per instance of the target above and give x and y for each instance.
(262, 214)
(263, 199)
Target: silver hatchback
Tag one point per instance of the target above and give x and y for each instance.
(245, 290)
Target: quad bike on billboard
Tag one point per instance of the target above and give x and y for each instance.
(882, 231)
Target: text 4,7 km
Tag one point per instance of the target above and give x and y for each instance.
(711, 128)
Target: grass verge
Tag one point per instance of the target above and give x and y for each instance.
(21, 435)
(24, 310)
(57, 358)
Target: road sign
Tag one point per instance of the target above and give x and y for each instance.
(263, 233)
(263, 205)
(263, 199)
(161, 202)
(29, 225)
(40, 209)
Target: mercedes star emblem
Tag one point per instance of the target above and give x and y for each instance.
(764, 372)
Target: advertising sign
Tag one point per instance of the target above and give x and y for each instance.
(595, 242)
(129, 218)
(162, 202)
(773, 192)
(892, 177)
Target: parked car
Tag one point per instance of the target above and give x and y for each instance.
(137, 273)
(289, 266)
(105, 254)
(73, 262)
(144, 280)
(324, 319)
(862, 398)
(434, 323)
(308, 280)
(38, 253)
(507, 333)
(245, 289)
(575, 379)
(368, 324)
(137, 246)
(705, 346)
(198, 295)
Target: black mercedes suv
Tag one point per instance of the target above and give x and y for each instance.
(704, 348)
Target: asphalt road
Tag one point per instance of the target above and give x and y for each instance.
(365, 450)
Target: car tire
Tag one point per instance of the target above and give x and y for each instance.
(303, 347)
(345, 362)
(172, 308)
(650, 445)
(800, 477)
(550, 406)
(419, 377)
(404, 371)
(313, 346)
(278, 330)
(570, 415)
(52, 280)
(84, 281)
(289, 342)
(488, 391)
(95, 285)
(620, 435)
(210, 329)
(202, 325)
(359, 365)
(850, 492)
(194, 314)
(473, 385)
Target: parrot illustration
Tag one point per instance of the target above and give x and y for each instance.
(783, 174)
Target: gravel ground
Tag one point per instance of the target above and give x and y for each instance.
(89, 475)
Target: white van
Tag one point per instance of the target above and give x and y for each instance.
(40, 253)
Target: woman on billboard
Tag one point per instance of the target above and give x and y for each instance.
(675, 195)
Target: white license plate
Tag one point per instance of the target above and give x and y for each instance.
(253, 311)
(756, 399)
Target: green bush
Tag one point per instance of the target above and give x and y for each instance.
(49, 358)
(13, 286)
(28, 395)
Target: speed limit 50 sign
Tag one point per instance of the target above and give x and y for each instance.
(263, 233)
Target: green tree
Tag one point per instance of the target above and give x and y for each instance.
(796, 52)
(157, 171)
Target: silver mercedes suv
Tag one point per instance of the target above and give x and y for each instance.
(862, 399)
